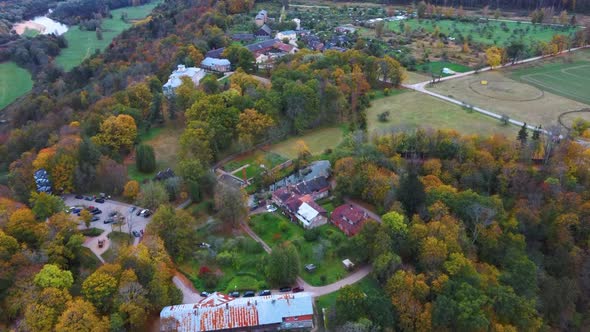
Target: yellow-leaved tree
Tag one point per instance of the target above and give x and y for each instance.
(117, 133)
(494, 56)
(252, 126)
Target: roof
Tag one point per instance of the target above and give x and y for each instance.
(349, 218)
(314, 185)
(196, 74)
(210, 62)
(242, 36)
(216, 53)
(284, 47)
(263, 12)
(288, 32)
(265, 29)
(265, 44)
(220, 311)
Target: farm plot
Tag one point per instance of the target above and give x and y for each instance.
(567, 76)
(496, 92)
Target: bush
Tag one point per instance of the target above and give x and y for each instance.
(311, 234)
(225, 258)
(92, 232)
(383, 117)
(284, 227)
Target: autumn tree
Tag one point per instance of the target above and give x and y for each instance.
(112, 175)
(86, 217)
(99, 289)
(177, 228)
(45, 205)
(152, 195)
(43, 313)
(81, 316)
(252, 126)
(283, 265)
(231, 203)
(409, 293)
(240, 57)
(131, 189)
(23, 226)
(494, 56)
(117, 133)
(52, 276)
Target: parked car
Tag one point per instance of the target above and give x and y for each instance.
(95, 218)
(249, 293)
(140, 212)
(147, 214)
(113, 213)
(75, 209)
(109, 221)
(88, 198)
(95, 212)
(135, 233)
(298, 289)
(79, 197)
(204, 294)
(99, 200)
(310, 267)
(204, 245)
(271, 208)
(234, 294)
(285, 289)
(265, 292)
(131, 209)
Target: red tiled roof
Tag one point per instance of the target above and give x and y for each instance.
(349, 218)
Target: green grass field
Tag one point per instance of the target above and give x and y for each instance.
(275, 229)
(487, 33)
(14, 82)
(254, 160)
(164, 140)
(317, 140)
(567, 76)
(367, 285)
(410, 110)
(437, 67)
(82, 44)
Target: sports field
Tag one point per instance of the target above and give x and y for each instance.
(495, 91)
(565, 75)
(82, 44)
(14, 82)
(490, 32)
(410, 110)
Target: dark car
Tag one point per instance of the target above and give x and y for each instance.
(95, 212)
(285, 289)
(113, 213)
(99, 200)
(234, 294)
(147, 214)
(138, 212)
(95, 218)
(264, 292)
(249, 293)
(79, 197)
(109, 221)
(298, 289)
(204, 294)
(135, 233)
(88, 198)
(75, 210)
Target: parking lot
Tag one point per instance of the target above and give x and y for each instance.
(130, 220)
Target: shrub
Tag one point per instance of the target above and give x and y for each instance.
(311, 234)
(92, 232)
(386, 92)
(225, 258)
(284, 227)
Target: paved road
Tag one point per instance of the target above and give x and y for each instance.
(189, 293)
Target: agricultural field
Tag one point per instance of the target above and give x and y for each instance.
(488, 33)
(497, 92)
(410, 110)
(567, 75)
(14, 82)
(317, 140)
(274, 229)
(82, 44)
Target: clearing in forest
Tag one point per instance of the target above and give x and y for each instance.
(14, 82)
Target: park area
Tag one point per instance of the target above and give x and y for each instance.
(495, 91)
(82, 43)
(567, 75)
(319, 246)
(486, 32)
(410, 110)
(14, 82)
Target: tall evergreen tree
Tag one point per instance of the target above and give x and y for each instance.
(523, 134)
(145, 158)
(411, 193)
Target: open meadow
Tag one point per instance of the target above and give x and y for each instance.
(567, 75)
(496, 92)
(14, 82)
(485, 32)
(82, 44)
(410, 110)
(317, 140)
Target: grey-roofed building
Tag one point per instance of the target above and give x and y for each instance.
(261, 18)
(174, 81)
(214, 64)
(265, 32)
(242, 37)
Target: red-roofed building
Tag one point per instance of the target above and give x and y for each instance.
(349, 218)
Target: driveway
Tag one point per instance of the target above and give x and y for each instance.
(132, 221)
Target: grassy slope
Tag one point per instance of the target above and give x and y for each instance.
(410, 110)
(499, 36)
(82, 44)
(368, 284)
(317, 140)
(166, 147)
(14, 82)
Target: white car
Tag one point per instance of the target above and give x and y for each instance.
(271, 208)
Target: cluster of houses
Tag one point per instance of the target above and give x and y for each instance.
(298, 203)
(220, 312)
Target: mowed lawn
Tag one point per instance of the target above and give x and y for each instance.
(14, 82)
(317, 141)
(166, 148)
(503, 95)
(488, 33)
(410, 110)
(82, 44)
(565, 75)
(438, 66)
(254, 160)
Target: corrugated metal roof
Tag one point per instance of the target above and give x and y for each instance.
(220, 311)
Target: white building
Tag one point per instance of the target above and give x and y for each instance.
(290, 35)
(174, 81)
(298, 23)
(218, 65)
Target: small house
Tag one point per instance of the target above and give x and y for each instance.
(174, 81)
(261, 18)
(265, 32)
(216, 65)
(290, 36)
(349, 218)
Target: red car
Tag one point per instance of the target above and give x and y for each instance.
(298, 289)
